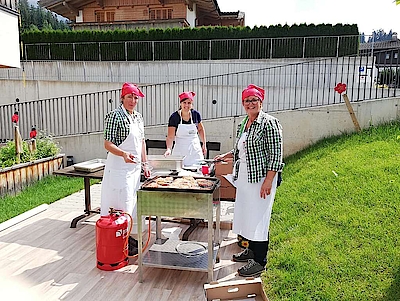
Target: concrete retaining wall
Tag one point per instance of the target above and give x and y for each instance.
(64, 78)
(301, 128)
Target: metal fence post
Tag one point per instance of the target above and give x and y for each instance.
(99, 52)
(126, 51)
(152, 45)
(337, 47)
(73, 50)
(304, 47)
(270, 51)
(181, 50)
(240, 48)
(209, 50)
(49, 51)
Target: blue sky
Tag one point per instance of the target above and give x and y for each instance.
(369, 15)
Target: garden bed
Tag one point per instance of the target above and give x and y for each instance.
(15, 178)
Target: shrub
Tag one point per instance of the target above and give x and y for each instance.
(45, 147)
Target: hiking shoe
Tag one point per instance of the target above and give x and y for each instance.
(251, 269)
(242, 242)
(243, 256)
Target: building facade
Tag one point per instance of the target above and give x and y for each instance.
(9, 34)
(142, 14)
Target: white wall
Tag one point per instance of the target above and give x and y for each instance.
(9, 39)
(64, 78)
(191, 16)
(301, 128)
(38, 89)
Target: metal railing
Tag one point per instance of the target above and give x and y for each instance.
(10, 4)
(288, 87)
(255, 48)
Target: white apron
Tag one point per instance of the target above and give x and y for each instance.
(252, 214)
(122, 180)
(187, 143)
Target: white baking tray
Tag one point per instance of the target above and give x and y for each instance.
(91, 165)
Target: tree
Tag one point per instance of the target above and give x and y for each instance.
(38, 17)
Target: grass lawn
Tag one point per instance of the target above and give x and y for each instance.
(46, 191)
(336, 221)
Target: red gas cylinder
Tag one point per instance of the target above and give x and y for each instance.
(111, 233)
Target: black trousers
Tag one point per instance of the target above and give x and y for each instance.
(260, 250)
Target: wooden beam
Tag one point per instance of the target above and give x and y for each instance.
(71, 8)
(351, 111)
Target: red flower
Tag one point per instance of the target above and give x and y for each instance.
(340, 88)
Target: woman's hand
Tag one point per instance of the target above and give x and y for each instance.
(223, 156)
(167, 152)
(204, 148)
(219, 157)
(266, 188)
(128, 157)
(147, 173)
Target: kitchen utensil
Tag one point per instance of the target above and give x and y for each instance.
(160, 162)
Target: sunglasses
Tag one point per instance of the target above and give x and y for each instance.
(253, 101)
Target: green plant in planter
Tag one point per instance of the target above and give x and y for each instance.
(8, 157)
(45, 147)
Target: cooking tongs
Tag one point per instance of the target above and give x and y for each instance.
(209, 161)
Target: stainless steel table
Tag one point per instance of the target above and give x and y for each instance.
(179, 204)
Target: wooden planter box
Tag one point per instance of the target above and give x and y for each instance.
(15, 178)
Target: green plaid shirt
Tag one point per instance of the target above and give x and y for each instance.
(264, 147)
(117, 125)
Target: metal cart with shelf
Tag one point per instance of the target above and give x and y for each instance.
(179, 203)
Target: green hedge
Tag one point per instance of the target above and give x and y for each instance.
(226, 43)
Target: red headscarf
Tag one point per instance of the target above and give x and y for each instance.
(185, 95)
(129, 88)
(33, 133)
(253, 90)
(15, 117)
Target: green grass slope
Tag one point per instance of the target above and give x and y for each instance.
(336, 221)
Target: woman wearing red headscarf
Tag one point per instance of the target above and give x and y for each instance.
(185, 127)
(258, 159)
(125, 143)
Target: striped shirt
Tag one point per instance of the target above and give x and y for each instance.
(264, 147)
(117, 125)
